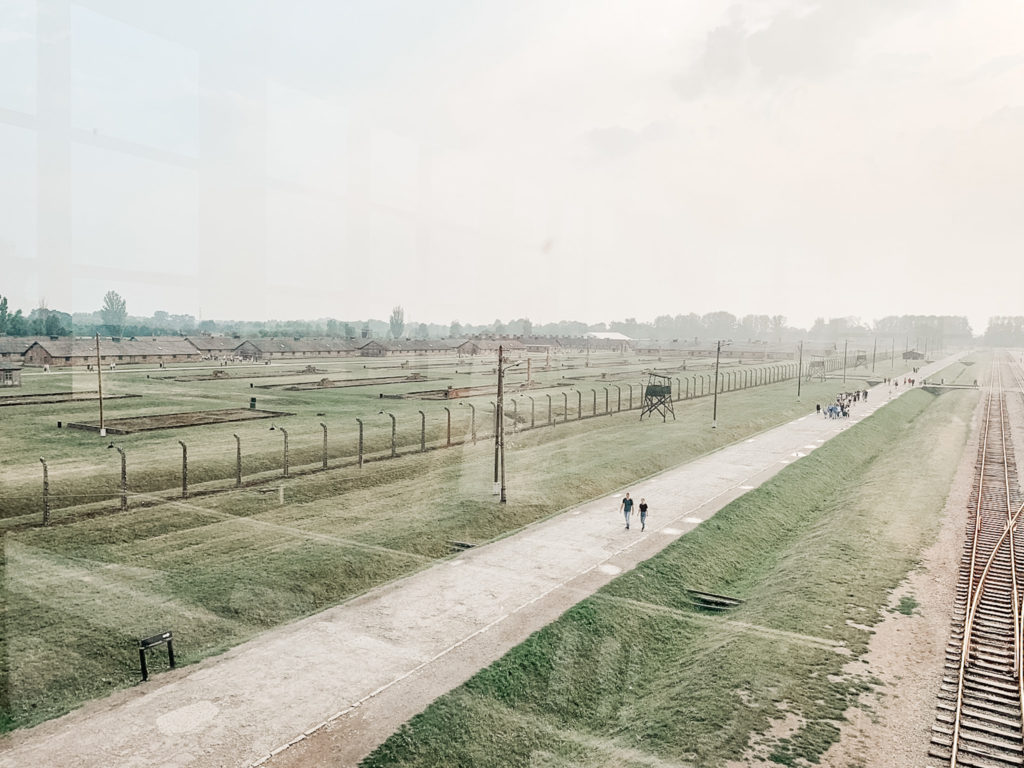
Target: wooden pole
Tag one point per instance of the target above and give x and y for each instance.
(501, 422)
(99, 385)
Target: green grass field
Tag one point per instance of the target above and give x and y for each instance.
(219, 568)
(636, 675)
(82, 469)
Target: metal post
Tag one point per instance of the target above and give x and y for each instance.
(846, 344)
(533, 405)
(448, 438)
(593, 411)
(800, 371)
(238, 460)
(394, 428)
(714, 412)
(630, 396)
(46, 492)
(423, 431)
(679, 390)
(325, 445)
(874, 351)
(472, 422)
(360, 443)
(565, 407)
(618, 398)
(184, 470)
(579, 404)
(285, 433)
(606, 400)
(549, 410)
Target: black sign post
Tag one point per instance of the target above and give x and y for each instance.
(151, 642)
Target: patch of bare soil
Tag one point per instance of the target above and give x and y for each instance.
(891, 727)
(130, 424)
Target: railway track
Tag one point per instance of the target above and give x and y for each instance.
(979, 721)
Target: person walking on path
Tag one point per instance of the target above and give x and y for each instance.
(643, 514)
(627, 508)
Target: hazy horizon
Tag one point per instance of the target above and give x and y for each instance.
(551, 160)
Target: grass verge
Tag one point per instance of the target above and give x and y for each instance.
(636, 675)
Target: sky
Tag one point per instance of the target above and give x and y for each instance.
(585, 160)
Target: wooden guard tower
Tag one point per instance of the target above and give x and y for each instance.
(658, 397)
(815, 368)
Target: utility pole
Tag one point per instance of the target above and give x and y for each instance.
(500, 433)
(714, 412)
(874, 351)
(99, 385)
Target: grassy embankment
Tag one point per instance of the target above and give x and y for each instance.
(636, 675)
(219, 569)
(971, 370)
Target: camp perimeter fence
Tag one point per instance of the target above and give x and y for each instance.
(171, 473)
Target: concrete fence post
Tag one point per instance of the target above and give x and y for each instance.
(184, 469)
(46, 492)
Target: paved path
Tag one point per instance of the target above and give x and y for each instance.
(340, 682)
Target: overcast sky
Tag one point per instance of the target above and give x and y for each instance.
(475, 160)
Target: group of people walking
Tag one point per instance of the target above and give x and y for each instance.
(626, 507)
(840, 409)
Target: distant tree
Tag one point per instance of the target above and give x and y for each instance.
(719, 325)
(422, 331)
(366, 330)
(5, 317)
(527, 327)
(161, 319)
(53, 326)
(778, 325)
(333, 327)
(114, 312)
(17, 325)
(498, 327)
(397, 322)
(349, 331)
(182, 323)
(455, 329)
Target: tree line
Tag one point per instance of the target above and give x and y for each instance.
(915, 331)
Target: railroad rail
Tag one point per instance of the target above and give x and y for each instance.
(979, 722)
